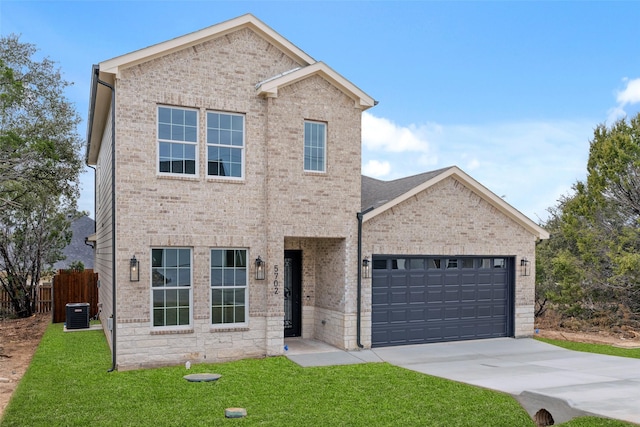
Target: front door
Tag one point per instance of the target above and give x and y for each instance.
(292, 293)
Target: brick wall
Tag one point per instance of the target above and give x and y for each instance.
(275, 200)
(449, 219)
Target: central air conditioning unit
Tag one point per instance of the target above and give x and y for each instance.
(78, 315)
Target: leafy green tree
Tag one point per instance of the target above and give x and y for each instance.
(591, 265)
(39, 166)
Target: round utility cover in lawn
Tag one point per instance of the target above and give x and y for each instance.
(199, 378)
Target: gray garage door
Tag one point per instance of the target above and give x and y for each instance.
(423, 299)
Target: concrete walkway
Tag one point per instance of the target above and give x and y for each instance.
(539, 375)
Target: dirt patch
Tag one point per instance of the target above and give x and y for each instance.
(19, 339)
(625, 340)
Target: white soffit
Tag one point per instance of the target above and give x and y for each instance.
(478, 189)
(215, 31)
(270, 87)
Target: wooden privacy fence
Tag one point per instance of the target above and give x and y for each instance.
(44, 300)
(74, 287)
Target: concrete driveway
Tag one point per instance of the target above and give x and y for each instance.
(566, 383)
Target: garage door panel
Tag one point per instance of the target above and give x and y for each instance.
(397, 296)
(450, 300)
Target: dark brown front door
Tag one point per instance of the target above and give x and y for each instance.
(292, 293)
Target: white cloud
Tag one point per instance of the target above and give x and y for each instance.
(382, 134)
(473, 164)
(376, 169)
(630, 94)
(527, 162)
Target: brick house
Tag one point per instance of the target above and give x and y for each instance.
(229, 198)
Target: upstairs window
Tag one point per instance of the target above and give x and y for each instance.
(177, 140)
(315, 146)
(225, 145)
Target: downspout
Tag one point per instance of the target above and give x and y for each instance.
(360, 216)
(96, 70)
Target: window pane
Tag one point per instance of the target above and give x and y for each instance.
(237, 123)
(241, 258)
(213, 136)
(466, 263)
(314, 146)
(434, 263)
(416, 264)
(175, 124)
(171, 297)
(236, 138)
(223, 132)
(228, 282)
(216, 315)
(216, 297)
(164, 131)
(171, 316)
(190, 118)
(225, 137)
(190, 167)
(158, 317)
(213, 120)
(171, 286)
(184, 257)
(183, 297)
(216, 258)
(156, 257)
(164, 115)
(225, 121)
(379, 264)
(158, 299)
(170, 258)
(227, 315)
(184, 277)
(177, 116)
(229, 277)
(183, 316)
(239, 314)
(216, 277)
(239, 297)
(398, 264)
(241, 277)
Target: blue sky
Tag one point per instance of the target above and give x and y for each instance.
(508, 91)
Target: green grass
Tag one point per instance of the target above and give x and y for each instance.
(595, 348)
(68, 384)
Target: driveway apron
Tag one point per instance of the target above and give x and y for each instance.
(541, 376)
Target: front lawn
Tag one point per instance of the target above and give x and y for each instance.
(68, 384)
(595, 348)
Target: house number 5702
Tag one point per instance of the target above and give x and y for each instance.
(275, 280)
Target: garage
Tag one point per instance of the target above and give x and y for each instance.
(424, 299)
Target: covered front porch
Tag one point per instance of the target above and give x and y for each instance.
(319, 286)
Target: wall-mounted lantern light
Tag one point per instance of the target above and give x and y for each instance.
(366, 270)
(259, 269)
(524, 267)
(134, 270)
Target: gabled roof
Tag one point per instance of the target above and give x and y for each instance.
(384, 195)
(108, 70)
(113, 65)
(269, 88)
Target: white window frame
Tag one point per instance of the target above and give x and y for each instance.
(324, 147)
(195, 143)
(158, 288)
(231, 146)
(245, 323)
